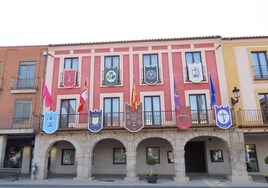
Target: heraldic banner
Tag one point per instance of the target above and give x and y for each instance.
(184, 118)
(134, 121)
(151, 75)
(69, 78)
(50, 122)
(111, 76)
(95, 121)
(195, 72)
(223, 116)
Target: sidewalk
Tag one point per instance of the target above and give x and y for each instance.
(196, 180)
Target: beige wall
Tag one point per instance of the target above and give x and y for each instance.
(261, 145)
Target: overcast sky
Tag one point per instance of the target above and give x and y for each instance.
(37, 22)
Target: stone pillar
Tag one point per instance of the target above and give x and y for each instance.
(237, 158)
(40, 159)
(3, 142)
(26, 160)
(83, 168)
(179, 163)
(131, 161)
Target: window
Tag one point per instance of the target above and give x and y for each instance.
(22, 109)
(119, 156)
(251, 158)
(263, 100)
(194, 58)
(67, 113)
(67, 157)
(71, 63)
(153, 152)
(69, 76)
(150, 74)
(152, 110)
(111, 70)
(26, 78)
(198, 109)
(111, 111)
(260, 66)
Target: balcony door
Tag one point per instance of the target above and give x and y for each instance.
(263, 100)
(67, 113)
(152, 110)
(26, 78)
(111, 111)
(198, 109)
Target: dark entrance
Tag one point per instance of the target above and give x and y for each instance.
(195, 157)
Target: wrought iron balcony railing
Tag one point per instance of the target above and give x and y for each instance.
(18, 83)
(9, 122)
(260, 72)
(252, 117)
(149, 118)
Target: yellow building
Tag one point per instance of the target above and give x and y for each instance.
(246, 70)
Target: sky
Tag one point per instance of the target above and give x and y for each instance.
(43, 22)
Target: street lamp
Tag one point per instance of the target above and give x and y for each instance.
(236, 96)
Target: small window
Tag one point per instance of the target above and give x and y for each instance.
(67, 157)
(119, 156)
(153, 152)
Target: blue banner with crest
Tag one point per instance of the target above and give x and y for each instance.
(223, 117)
(50, 122)
(95, 120)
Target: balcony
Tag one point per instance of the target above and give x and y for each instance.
(24, 85)
(156, 119)
(9, 122)
(252, 117)
(260, 72)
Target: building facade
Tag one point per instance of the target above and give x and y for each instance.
(246, 66)
(21, 71)
(160, 71)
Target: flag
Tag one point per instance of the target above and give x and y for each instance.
(83, 97)
(212, 92)
(176, 97)
(133, 100)
(46, 96)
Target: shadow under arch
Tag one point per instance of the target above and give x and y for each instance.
(109, 159)
(159, 148)
(61, 157)
(207, 154)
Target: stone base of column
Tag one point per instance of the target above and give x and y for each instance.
(83, 178)
(181, 179)
(131, 179)
(239, 178)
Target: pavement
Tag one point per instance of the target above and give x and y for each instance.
(196, 180)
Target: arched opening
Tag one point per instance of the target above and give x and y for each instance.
(61, 160)
(162, 151)
(207, 154)
(109, 160)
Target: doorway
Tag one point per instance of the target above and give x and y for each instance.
(195, 160)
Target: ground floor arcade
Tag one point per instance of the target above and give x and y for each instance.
(87, 155)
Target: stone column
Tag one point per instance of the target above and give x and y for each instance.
(84, 168)
(131, 155)
(40, 159)
(3, 141)
(237, 158)
(179, 163)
